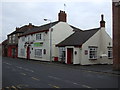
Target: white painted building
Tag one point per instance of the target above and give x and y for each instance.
(87, 47)
(35, 42)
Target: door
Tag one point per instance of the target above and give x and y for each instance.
(69, 55)
(28, 52)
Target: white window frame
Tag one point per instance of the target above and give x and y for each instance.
(22, 52)
(23, 39)
(9, 39)
(39, 36)
(92, 52)
(38, 53)
(13, 38)
(110, 53)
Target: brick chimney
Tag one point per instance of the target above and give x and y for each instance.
(62, 16)
(102, 22)
(30, 25)
(17, 28)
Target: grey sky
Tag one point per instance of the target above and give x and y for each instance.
(84, 15)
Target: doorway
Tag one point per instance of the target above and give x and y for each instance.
(28, 52)
(69, 55)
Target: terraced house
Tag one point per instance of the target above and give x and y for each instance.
(12, 40)
(59, 41)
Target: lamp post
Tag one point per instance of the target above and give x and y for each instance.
(50, 38)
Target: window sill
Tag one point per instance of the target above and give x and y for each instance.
(92, 59)
(38, 57)
(110, 58)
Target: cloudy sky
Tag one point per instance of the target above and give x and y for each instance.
(84, 14)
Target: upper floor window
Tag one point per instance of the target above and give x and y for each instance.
(23, 38)
(13, 38)
(110, 54)
(38, 36)
(9, 39)
(92, 52)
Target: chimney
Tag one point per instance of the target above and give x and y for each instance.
(62, 16)
(30, 25)
(17, 28)
(102, 22)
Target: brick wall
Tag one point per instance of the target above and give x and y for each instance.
(116, 36)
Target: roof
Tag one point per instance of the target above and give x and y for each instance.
(22, 29)
(5, 42)
(78, 38)
(40, 28)
(75, 28)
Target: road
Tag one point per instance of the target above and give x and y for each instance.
(22, 73)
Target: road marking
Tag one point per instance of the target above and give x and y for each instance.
(7, 63)
(25, 69)
(86, 86)
(13, 87)
(35, 78)
(54, 77)
(23, 74)
(53, 86)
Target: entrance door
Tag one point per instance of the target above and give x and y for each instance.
(28, 52)
(69, 55)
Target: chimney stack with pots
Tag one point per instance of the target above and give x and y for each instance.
(62, 16)
(102, 22)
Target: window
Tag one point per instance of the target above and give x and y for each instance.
(62, 52)
(110, 54)
(23, 38)
(38, 36)
(22, 52)
(38, 52)
(13, 38)
(9, 39)
(92, 52)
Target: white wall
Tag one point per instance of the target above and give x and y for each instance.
(100, 39)
(60, 32)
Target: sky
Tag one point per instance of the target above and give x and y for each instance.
(84, 14)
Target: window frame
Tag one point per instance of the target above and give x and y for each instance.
(37, 53)
(13, 38)
(110, 52)
(93, 53)
(39, 36)
(22, 52)
(10, 39)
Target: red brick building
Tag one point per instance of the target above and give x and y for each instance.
(116, 34)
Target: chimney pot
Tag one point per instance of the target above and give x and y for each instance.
(102, 22)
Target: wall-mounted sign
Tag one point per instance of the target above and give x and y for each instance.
(38, 44)
(86, 52)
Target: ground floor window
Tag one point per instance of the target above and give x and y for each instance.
(22, 52)
(92, 52)
(62, 53)
(38, 52)
(110, 54)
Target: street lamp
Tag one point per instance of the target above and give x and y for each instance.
(50, 38)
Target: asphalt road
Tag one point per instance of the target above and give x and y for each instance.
(22, 73)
